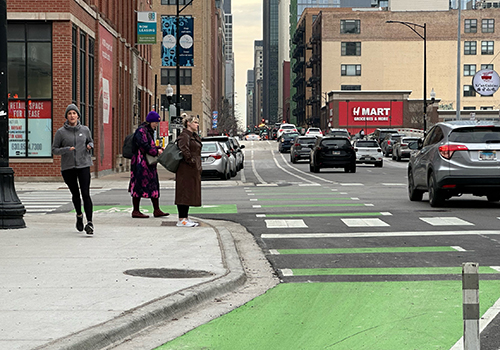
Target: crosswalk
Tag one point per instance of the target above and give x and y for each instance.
(43, 202)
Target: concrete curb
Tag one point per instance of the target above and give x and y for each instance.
(162, 309)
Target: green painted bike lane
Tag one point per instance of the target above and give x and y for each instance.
(344, 315)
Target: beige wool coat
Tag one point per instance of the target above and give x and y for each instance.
(188, 176)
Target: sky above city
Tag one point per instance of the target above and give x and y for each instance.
(247, 27)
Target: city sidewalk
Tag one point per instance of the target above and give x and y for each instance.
(63, 289)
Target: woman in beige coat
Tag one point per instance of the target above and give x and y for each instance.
(188, 176)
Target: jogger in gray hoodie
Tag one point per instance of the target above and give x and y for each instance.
(73, 142)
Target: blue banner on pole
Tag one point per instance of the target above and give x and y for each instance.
(215, 116)
(169, 41)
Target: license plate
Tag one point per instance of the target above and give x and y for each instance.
(335, 153)
(487, 155)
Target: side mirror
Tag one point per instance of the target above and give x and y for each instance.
(242, 146)
(420, 143)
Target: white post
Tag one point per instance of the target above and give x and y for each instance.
(470, 288)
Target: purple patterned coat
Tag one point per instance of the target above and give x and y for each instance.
(144, 181)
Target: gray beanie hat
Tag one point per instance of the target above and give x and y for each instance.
(72, 107)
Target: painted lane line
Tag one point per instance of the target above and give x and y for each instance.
(322, 215)
(311, 184)
(308, 174)
(385, 213)
(379, 250)
(289, 172)
(393, 184)
(256, 206)
(446, 221)
(485, 320)
(254, 170)
(286, 272)
(378, 234)
(496, 268)
(274, 252)
(254, 200)
(352, 184)
(364, 222)
(362, 271)
(457, 248)
(314, 205)
(267, 185)
(355, 199)
(303, 199)
(285, 224)
(260, 215)
(369, 205)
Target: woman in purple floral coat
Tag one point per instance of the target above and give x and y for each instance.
(144, 181)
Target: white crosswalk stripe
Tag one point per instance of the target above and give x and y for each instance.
(42, 202)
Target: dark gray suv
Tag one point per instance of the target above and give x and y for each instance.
(455, 158)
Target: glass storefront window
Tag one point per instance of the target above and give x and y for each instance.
(30, 89)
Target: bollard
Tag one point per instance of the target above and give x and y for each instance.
(470, 288)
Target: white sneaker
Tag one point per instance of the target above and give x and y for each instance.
(186, 223)
(194, 222)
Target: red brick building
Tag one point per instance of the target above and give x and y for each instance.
(74, 51)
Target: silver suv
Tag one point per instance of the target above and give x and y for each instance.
(456, 157)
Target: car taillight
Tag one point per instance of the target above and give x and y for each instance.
(307, 132)
(297, 144)
(447, 150)
(388, 142)
(404, 144)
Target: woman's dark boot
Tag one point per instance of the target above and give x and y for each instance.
(156, 206)
(136, 213)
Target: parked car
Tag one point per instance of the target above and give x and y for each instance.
(286, 128)
(252, 137)
(388, 142)
(401, 148)
(455, 158)
(339, 132)
(314, 132)
(301, 148)
(240, 157)
(232, 159)
(368, 152)
(214, 160)
(333, 152)
(229, 145)
(380, 134)
(286, 140)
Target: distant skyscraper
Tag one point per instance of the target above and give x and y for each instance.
(229, 55)
(250, 97)
(258, 71)
(271, 64)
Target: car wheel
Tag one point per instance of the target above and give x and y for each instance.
(414, 194)
(398, 158)
(353, 168)
(393, 156)
(436, 198)
(292, 158)
(379, 164)
(493, 198)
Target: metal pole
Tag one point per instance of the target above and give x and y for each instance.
(459, 46)
(425, 78)
(470, 288)
(177, 63)
(11, 208)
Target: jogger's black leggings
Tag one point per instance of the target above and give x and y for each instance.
(72, 177)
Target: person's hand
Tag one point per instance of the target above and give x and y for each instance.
(89, 147)
(72, 148)
(160, 151)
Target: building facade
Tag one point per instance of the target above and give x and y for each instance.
(74, 51)
(271, 65)
(359, 51)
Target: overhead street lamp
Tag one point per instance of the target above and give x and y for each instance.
(413, 27)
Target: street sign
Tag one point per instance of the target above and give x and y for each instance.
(176, 120)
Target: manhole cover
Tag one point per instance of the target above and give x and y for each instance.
(168, 273)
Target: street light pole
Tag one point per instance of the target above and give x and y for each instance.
(177, 55)
(11, 208)
(424, 37)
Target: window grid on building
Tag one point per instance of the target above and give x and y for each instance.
(487, 66)
(351, 49)
(74, 62)
(174, 2)
(469, 91)
(350, 87)
(470, 26)
(91, 53)
(487, 47)
(168, 76)
(469, 69)
(351, 70)
(488, 25)
(83, 80)
(350, 26)
(470, 47)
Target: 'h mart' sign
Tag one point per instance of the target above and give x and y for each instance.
(376, 113)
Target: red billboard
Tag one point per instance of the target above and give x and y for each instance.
(368, 115)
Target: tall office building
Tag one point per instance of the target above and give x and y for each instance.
(258, 70)
(229, 54)
(250, 89)
(271, 64)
